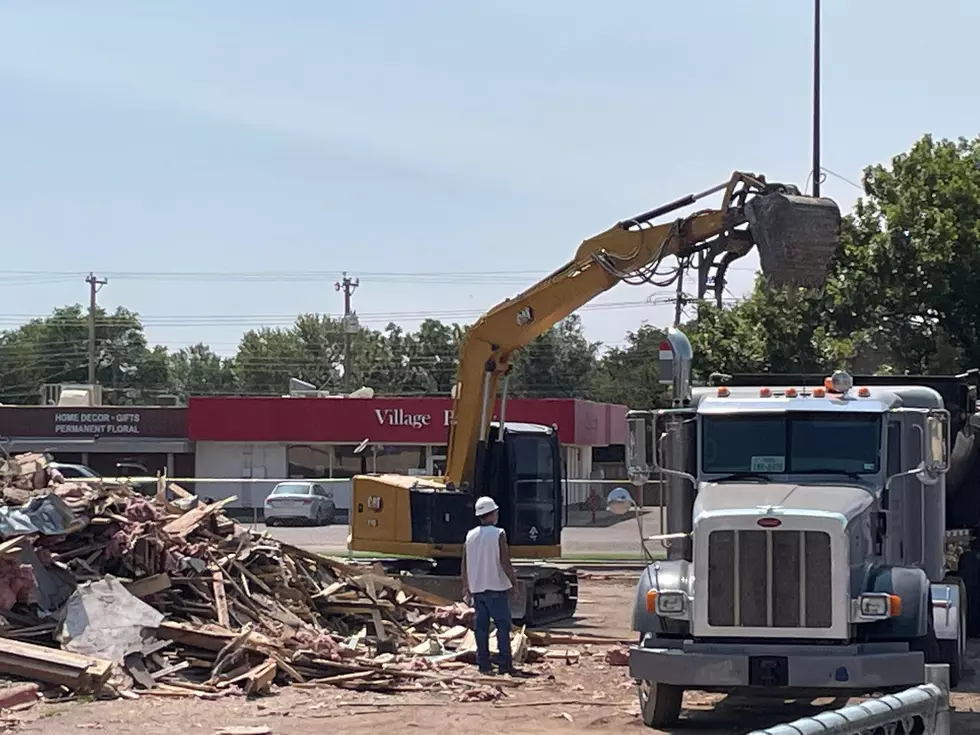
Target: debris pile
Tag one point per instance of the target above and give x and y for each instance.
(106, 590)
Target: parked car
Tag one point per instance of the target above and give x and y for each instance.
(74, 471)
(299, 501)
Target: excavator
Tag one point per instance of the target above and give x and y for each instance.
(520, 465)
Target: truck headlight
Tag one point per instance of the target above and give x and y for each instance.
(879, 605)
(666, 603)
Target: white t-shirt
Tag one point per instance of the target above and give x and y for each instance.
(484, 571)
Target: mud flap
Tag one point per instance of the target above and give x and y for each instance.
(797, 237)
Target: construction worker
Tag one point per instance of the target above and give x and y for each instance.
(488, 582)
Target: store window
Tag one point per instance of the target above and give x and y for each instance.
(439, 455)
(402, 460)
(308, 460)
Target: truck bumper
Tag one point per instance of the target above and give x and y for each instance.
(728, 667)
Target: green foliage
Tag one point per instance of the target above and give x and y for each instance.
(902, 297)
(630, 375)
(902, 294)
(561, 363)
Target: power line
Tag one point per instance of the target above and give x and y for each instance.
(188, 320)
(446, 278)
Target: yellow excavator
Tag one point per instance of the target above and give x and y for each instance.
(520, 465)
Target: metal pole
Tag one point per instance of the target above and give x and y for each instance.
(679, 298)
(347, 286)
(816, 98)
(938, 674)
(93, 288)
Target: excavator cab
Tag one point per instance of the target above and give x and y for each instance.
(520, 466)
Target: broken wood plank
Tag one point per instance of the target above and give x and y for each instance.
(194, 518)
(79, 673)
(220, 601)
(157, 675)
(149, 585)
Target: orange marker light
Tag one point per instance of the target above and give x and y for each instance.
(723, 392)
(819, 392)
(765, 392)
(651, 601)
(864, 392)
(790, 393)
(894, 605)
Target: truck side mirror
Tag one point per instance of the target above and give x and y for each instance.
(639, 446)
(937, 442)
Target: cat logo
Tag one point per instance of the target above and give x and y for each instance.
(533, 533)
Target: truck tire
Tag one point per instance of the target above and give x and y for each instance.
(968, 569)
(930, 647)
(660, 704)
(954, 652)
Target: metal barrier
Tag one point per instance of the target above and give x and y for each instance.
(921, 709)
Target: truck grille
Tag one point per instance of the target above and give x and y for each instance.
(769, 579)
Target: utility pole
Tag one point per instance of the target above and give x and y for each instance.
(94, 284)
(679, 298)
(816, 98)
(348, 286)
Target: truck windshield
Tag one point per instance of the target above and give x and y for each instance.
(791, 443)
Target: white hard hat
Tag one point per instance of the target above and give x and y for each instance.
(485, 505)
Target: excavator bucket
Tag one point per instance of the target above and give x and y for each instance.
(797, 237)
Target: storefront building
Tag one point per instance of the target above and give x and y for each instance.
(106, 438)
(337, 438)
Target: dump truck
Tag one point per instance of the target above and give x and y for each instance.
(819, 533)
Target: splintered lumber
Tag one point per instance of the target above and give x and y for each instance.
(79, 673)
(221, 603)
(241, 611)
(194, 518)
(149, 585)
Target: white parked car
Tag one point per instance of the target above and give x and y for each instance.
(299, 501)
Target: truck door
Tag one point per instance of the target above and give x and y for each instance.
(536, 487)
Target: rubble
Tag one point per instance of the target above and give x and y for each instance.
(166, 596)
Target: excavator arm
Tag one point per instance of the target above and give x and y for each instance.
(797, 236)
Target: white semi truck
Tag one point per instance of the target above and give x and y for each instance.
(807, 534)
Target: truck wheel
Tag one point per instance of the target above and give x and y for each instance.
(660, 704)
(968, 569)
(954, 652)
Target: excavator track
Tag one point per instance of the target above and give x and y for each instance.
(551, 593)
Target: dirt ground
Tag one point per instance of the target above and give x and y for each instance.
(590, 695)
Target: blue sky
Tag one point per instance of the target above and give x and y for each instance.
(385, 137)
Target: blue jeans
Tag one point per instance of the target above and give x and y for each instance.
(495, 605)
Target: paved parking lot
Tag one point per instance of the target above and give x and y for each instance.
(616, 540)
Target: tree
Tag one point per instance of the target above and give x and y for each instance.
(54, 349)
(901, 296)
(197, 370)
(390, 361)
(631, 375)
(561, 363)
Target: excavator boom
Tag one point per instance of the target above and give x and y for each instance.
(520, 465)
(797, 236)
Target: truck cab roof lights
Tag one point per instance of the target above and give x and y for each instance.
(839, 382)
(819, 392)
(723, 391)
(790, 393)
(765, 392)
(864, 392)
